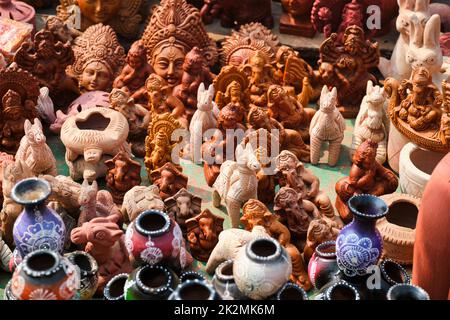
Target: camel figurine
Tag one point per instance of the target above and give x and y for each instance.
(237, 182)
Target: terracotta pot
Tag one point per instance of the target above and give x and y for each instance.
(194, 290)
(416, 166)
(150, 283)
(191, 275)
(45, 275)
(431, 259)
(115, 288)
(322, 267)
(407, 292)
(88, 273)
(261, 268)
(291, 291)
(398, 228)
(396, 142)
(341, 290)
(224, 283)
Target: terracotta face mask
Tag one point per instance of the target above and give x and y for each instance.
(95, 77)
(168, 64)
(99, 11)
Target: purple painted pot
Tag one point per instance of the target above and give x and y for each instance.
(359, 244)
(37, 227)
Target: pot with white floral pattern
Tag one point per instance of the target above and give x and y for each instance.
(150, 283)
(359, 244)
(261, 268)
(38, 226)
(45, 275)
(153, 238)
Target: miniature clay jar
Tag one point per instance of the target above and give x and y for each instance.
(115, 288)
(194, 290)
(407, 292)
(261, 268)
(391, 274)
(341, 290)
(154, 237)
(38, 226)
(398, 228)
(150, 283)
(45, 275)
(88, 273)
(416, 166)
(359, 244)
(223, 282)
(322, 267)
(191, 275)
(291, 291)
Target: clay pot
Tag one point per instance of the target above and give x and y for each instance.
(38, 226)
(322, 267)
(261, 268)
(398, 227)
(153, 237)
(115, 288)
(341, 290)
(191, 275)
(359, 244)
(45, 275)
(391, 274)
(150, 283)
(7, 294)
(431, 259)
(416, 166)
(88, 273)
(224, 284)
(407, 292)
(291, 291)
(396, 142)
(194, 290)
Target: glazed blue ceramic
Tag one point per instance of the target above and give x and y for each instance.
(359, 244)
(37, 227)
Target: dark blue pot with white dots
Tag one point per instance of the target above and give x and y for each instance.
(38, 226)
(359, 244)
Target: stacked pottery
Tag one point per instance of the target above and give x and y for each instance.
(88, 269)
(224, 284)
(38, 226)
(322, 267)
(115, 288)
(261, 268)
(45, 275)
(291, 291)
(194, 290)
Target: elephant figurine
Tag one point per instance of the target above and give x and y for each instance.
(183, 206)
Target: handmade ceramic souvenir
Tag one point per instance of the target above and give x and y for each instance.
(366, 176)
(291, 291)
(194, 290)
(230, 242)
(91, 137)
(153, 238)
(183, 206)
(34, 151)
(18, 11)
(231, 87)
(341, 290)
(88, 273)
(319, 231)
(326, 15)
(115, 288)
(202, 233)
(407, 292)
(297, 18)
(173, 30)
(327, 125)
(123, 174)
(139, 199)
(61, 30)
(322, 267)
(105, 241)
(99, 58)
(191, 275)
(224, 284)
(5, 159)
(169, 179)
(237, 182)
(123, 16)
(45, 275)
(6, 256)
(391, 274)
(261, 268)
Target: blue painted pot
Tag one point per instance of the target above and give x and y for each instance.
(359, 244)
(37, 227)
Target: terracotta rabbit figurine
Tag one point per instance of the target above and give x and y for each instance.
(372, 122)
(34, 151)
(204, 118)
(398, 67)
(327, 125)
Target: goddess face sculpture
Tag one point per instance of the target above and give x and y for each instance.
(168, 63)
(99, 11)
(95, 76)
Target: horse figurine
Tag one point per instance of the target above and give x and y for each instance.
(237, 182)
(204, 118)
(327, 125)
(34, 151)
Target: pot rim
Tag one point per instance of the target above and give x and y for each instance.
(154, 233)
(44, 273)
(359, 214)
(324, 245)
(220, 275)
(157, 290)
(187, 283)
(399, 286)
(256, 257)
(341, 283)
(296, 287)
(92, 262)
(106, 290)
(34, 181)
(388, 278)
(191, 273)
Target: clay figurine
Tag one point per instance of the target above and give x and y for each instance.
(372, 122)
(297, 18)
(326, 15)
(65, 192)
(319, 231)
(327, 125)
(366, 176)
(123, 16)
(202, 234)
(136, 71)
(236, 13)
(352, 15)
(123, 174)
(237, 182)
(5, 159)
(140, 199)
(169, 179)
(60, 30)
(183, 206)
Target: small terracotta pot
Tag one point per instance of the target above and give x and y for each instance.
(115, 288)
(194, 290)
(322, 267)
(407, 292)
(341, 290)
(88, 273)
(398, 228)
(224, 283)
(291, 291)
